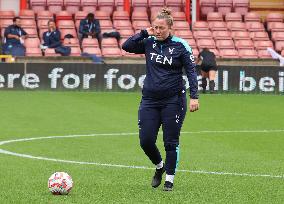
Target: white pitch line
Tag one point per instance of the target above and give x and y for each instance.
(136, 167)
(136, 133)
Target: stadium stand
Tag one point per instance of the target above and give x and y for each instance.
(229, 26)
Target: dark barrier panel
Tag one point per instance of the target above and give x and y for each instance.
(12, 76)
(130, 77)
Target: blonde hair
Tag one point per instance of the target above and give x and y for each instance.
(165, 13)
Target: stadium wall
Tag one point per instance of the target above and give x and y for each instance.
(129, 77)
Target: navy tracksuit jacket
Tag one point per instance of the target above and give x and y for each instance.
(163, 95)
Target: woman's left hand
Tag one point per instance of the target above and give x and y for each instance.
(193, 105)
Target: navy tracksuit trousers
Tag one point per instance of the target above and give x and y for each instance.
(170, 113)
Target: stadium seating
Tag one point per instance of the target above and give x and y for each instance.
(218, 26)
(200, 25)
(38, 5)
(27, 14)
(228, 53)
(248, 53)
(224, 6)
(33, 51)
(225, 44)
(89, 5)
(207, 6)
(229, 17)
(229, 27)
(72, 6)
(241, 6)
(214, 16)
(111, 52)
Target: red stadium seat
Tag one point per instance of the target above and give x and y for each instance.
(279, 46)
(68, 31)
(63, 15)
(248, 53)
(263, 54)
(102, 15)
(42, 24)
(71, 42)
(41, 31)
(224, 6)
(233, 17)
(207, 6)
(263, 45)
(156, 5)
(75, 51)
(50, 52)
(278, 36)
(33, 51)
(32, 42)
(222, 35)
(206, 43)
(109, 42)
(138, 25)
(106, 5)
(72, 6)
(44, 15)
(4, 23)
(119, 5)
(65, 24)
(275, 27)
(27, 14)
(236, 26)
(255, 26)
(225, 44)
(241, 6)
(191, 42)
(244, 44)
(218, 26)
(38, 5)
(214, 16)
(252, 17)
(228, 53)
(241, 35)
(54, 6)
(200, 25)
(139, 5)
(174, 5)
(122, 24)
(27, 23)
(32, 32)
(179, 16)
(89, 5)
(111, 52)
(202, 34)
(180, 25)
(80, 15)
(120, 15)
(90, 42)
(93, 50)
(259, 36)
(139, 16)
(7, 14)
(106, 25)
(184, 34)
(274, 17)
(126, 33)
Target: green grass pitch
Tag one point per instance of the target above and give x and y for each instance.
(239, 147)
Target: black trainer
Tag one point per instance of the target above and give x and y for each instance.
(168, 186)
(157, 178)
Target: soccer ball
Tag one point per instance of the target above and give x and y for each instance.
(60, 183)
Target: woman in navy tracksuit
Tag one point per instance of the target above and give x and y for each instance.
(163, 95)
